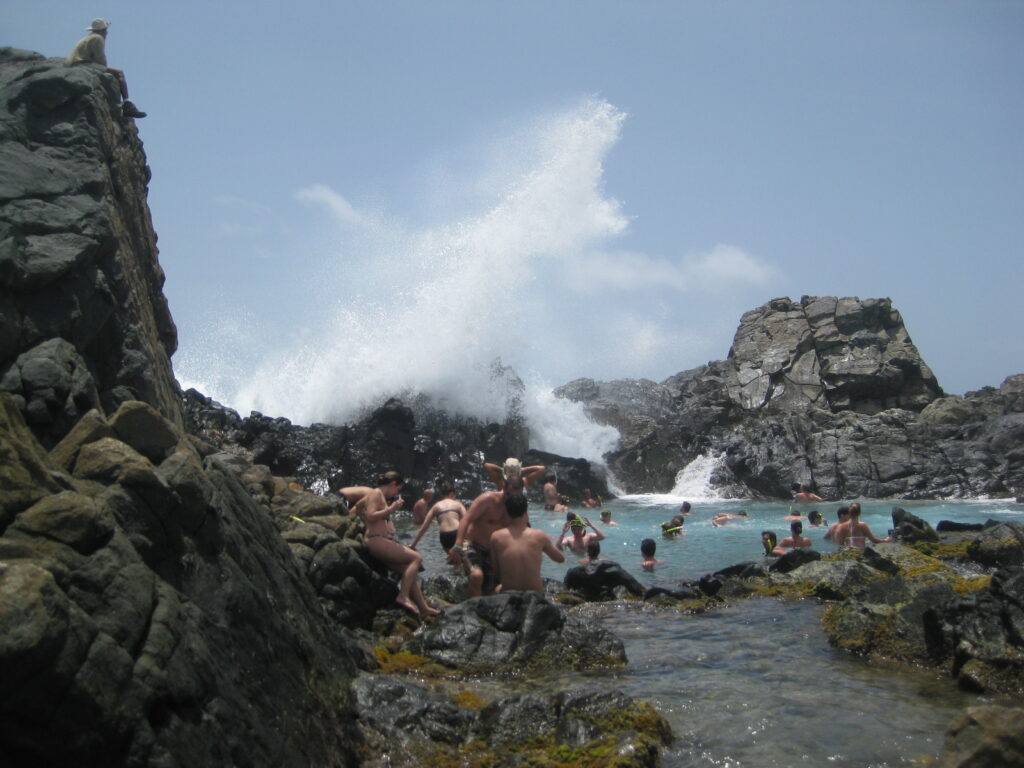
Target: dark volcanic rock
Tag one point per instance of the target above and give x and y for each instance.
(825, 391)
(601, 580)
(84, 320)
(985, 737)
(908, 528)
(515, 632)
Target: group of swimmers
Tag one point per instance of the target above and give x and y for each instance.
(847, 531)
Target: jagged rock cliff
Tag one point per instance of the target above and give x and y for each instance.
(83, 320)
(825, 391)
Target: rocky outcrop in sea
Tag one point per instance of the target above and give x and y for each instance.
(826, 391)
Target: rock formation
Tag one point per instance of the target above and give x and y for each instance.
(825, 391)
(83, 320)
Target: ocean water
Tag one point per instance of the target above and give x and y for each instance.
(756, 684)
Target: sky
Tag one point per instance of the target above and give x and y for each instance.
(355, 197)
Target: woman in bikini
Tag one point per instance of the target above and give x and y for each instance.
(375, 512)
(448, 512)
(854, 533)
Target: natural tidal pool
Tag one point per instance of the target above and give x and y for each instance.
(756, 683)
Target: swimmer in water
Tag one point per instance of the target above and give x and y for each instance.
(770, 542)
(647, 548)
(448, 513)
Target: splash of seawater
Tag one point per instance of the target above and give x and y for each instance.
(430, 310)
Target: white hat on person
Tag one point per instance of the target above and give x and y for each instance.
(512, 468)
(98, 25)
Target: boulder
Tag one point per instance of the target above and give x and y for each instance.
(601, 580)
(513, 633)
(998, 545)
(985, 736)
(794, 559)
(909, 528)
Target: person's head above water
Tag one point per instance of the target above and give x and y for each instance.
(648, 547)
(814, 516)
(593, 549)
(769, 541)
(796, 527)
(516, 505)
(606, 514)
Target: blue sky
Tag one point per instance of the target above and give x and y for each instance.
(355, 196)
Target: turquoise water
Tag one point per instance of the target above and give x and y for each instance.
(757, 684)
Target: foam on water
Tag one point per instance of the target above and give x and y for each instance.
(692, 483)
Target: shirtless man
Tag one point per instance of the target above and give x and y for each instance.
(588, 500)
(815, 519)
(722, 518)
(92, 49)
(804, 496)
(795, 539)
(578, 543)
(552, 501)
(448, 512)
(380, 541)
(512, 468)
(485, 516)
(516, 550)
(854, 533)
(843, 513)
(419, 509)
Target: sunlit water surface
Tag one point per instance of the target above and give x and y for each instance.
(756, 683)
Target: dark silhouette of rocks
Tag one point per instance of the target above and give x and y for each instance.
(827, 391)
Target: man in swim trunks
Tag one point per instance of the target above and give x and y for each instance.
(552, 501)
(486, 515)
(854, 533)
(517, 549)
(448, 512)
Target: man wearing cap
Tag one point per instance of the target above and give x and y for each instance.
(91, 49)
(512, 468)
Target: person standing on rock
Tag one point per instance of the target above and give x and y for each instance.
(91, 49)
(516, 550)
(486, 515)
(552, 501)
(448, 512)
(854, 533)
(380, 541)
(419, 509)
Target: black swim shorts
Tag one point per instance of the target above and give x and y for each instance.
(448, 539)
(476, 556)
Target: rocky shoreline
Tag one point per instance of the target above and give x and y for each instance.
(172, 593)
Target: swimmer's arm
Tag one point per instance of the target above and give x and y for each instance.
(423, 528)
(493, 472)
(874, 539)
(561, 537)
(551, 551)
(598, 531)
(383, 512)
(455, 553)
(530, 474)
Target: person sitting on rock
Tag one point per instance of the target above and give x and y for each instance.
(854, 533)
(770, 542)
(380, 542)
(516, 550)
(647, 548)
(552, 501)
(448, 512)
(579, 541)
(512, 468)
(91, 49)
(805, 496)
(795, 539)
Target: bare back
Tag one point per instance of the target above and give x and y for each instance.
(517, 553)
